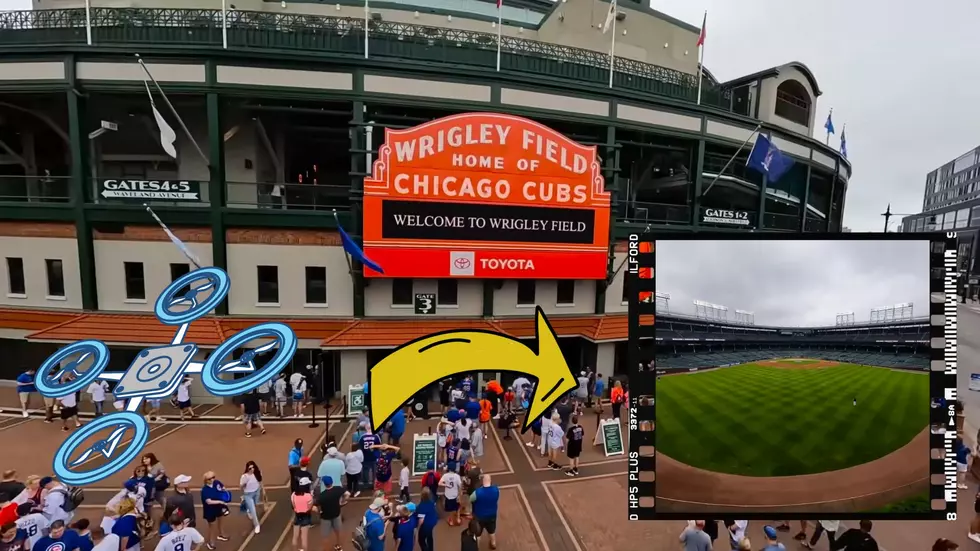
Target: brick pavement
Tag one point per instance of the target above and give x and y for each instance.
(547, 511)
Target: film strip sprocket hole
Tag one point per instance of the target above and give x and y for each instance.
(944, 286)
(640, 281)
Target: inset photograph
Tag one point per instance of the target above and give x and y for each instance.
(793, 376)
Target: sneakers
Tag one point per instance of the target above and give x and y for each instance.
(25, 414)
(571, 472)
(248, 435)
(222, 538)
(555, 467)
(357, 493)
(257, 530)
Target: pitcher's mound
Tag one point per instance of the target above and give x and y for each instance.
(798, 363)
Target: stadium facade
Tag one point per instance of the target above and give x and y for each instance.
(688, 344)
(951, 202)
(286, 106)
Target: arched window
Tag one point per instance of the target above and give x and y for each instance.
(793, 102)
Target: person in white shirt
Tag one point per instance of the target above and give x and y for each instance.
(736, 532)
(52, 504)
(451, 482)
(69, 411)
(98, 389)
(131, 490)
(545, 426)
(556, 441)
(32, 524)
(280, 390)
(463, 429)
(104, 541)
(353, 465)
(476, 444)
(457, 397)
(403, 477)
(265, 396)
(184, 398)
(182, 538)
(298, 382)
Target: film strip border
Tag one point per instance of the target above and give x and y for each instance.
(944, 284)
(642, 465)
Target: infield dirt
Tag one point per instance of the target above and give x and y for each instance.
(798, 363)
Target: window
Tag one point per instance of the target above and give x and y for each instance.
(316, 285)
(793, 102)
(526, 292)
(626, 290)
(56, 277)
(448, 292)
(975, 217)
(268, 279)
(402, 292)
(177, 271)
(566, 292)
(135, 283)
(15, 276)
(962, 218)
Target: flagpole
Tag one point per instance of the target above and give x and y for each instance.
(500, 9)
(224, 24)
(173, 238)
(612, 47)
(729, 163)
(350, 266)
(701, 57)
(88, 22)
(174, 111)
(367, 17)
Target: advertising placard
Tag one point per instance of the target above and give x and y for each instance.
(155, 190)
(726, 217)
(486, 195)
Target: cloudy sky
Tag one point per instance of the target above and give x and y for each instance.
(898, 74)
(892, 71)
(794, 283)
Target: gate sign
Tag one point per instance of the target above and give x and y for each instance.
(160, 190)
(486, 195)
(726, 217)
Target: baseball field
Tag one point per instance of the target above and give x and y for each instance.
(788, 417)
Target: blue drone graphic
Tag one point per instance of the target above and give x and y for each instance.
(156, 373)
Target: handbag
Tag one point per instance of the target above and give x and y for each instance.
(161, 483)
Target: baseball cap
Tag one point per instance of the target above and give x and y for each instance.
(304, 462)
(332, 451)
(182, 479)
(327, 480)
(305, 481)
(131, 485)
(770, 532)
(410, 507)
(430, 465)
(378, 503)
(46, 480)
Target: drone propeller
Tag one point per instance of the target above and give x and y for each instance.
(247, 361)
(105, 447)
(72, 366)
(191, 294)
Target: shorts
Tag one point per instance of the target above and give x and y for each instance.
(212, 514)
(330, 525)
(536, 430)
(250, 418)
(69, 412)
(297, 396)
(574, 449)
(281, 399)
(451, 505)
(386, 486)
(302, 519)
(154, 404)
(489, 524)
(48, 402)
(960, 467)
(184, 405)
(24, 396)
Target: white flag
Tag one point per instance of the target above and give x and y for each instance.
(175, 240)
(167, 134)
(609, 17)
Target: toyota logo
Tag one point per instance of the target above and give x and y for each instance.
(462, 263)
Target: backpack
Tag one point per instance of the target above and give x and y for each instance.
(74, 497)
(360, 537)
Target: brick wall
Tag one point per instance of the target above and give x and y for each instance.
(37, 229)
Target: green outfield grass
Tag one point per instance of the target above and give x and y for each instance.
(764, 421)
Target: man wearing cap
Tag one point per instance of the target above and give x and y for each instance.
(181, 501)
(374, 525)
(332, 465)
(53, 502)
(694, 538)
(771, 543)
(299, 473)
(582, 391)
(332, 498)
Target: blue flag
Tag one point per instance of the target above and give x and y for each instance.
(829, 125)
(356, 253)
(768, 159)
(843, 142)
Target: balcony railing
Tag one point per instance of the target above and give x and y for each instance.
(344, 36)
(640, 212)
(34, 189)
(287, 196)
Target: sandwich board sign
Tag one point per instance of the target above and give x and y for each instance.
(423, 451)
(356, 402)
(610, 435)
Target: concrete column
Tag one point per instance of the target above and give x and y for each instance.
(353, 369)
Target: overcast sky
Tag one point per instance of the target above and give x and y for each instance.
(898, 74)
(794, 283)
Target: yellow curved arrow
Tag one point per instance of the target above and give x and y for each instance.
(419, 363)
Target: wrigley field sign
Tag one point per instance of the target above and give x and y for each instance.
(154, 190)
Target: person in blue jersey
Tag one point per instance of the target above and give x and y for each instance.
(485, 501)
(367, 443)
(58, 539)
(81, 529)
(405, 528)
(142, 478)
(127, 526)
(295, 456)
(468, 386)
(374, 525)
(215, 501)
(25, 388)
(963, 454)
(473, 410)
(452, 452)
(384, 454)
(428, 517)
(397, 427)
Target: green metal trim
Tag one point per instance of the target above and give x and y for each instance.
(357, 194)
(495, 93)
(381, 4)
(610, 172)
(262, 218)
(216, 187)
(805, 199)
(698, 182)
(40, 213)
(79, 166)
(488, 298)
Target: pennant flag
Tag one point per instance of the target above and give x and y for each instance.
(610, 17)
(356, 253)
(768, 159)
(175, 240)
(704, 27)
(829, 125)
(167, 134)
(500, 4)
(843, 142)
